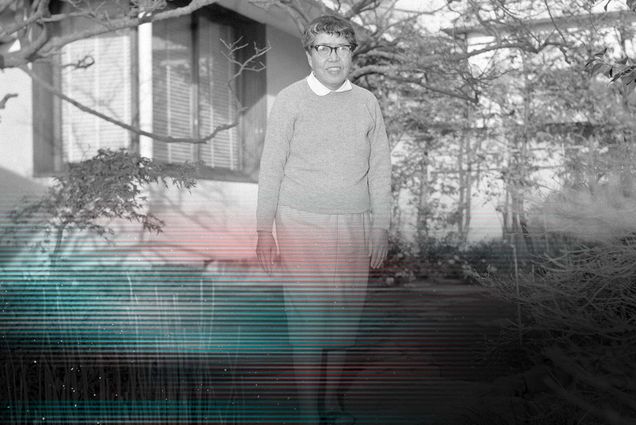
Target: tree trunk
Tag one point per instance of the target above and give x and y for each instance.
(54, 257)
(422, 203)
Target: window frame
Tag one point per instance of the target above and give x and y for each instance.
(250, 89)
(48, 150)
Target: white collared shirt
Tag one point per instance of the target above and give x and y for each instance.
(321, 90)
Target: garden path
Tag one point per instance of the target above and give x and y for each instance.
(422, 356)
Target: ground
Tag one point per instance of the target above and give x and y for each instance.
(215, 351)
(424, 354)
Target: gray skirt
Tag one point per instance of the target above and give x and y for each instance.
(324, 268)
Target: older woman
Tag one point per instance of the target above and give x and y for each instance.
(325, 181)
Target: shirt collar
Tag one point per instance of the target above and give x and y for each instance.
(321, 90)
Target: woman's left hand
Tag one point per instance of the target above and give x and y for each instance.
(379, 246)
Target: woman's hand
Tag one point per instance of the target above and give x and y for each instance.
(379, 246)
(266, 250)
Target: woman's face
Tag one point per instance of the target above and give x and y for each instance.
(331, 70)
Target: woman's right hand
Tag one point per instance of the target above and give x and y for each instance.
(266, 250)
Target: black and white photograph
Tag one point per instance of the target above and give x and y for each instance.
(318, 212)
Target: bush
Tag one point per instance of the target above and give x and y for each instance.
(579, 317)
(401, 263)
(493, 256)
(437, 258)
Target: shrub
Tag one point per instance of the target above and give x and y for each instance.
(108, 186)
(579, 316)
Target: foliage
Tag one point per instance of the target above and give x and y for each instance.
(90, 193)
(623, 70)
(577, 310)
(463, 110)
(579, 316)
(596, 214)
(447, 258)
(466, 262)
(492, 256)
(401, 264)
(114, 341)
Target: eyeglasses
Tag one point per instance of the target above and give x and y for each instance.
(324, 50)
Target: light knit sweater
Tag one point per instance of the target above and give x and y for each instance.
(325, 154)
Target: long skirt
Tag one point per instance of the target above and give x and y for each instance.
(324, 270)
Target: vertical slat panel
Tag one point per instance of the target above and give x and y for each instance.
(226, 144)
(208, 35)
(105, 86)
(216, 103)
(44, 137)
(252, 90)
(173, 108)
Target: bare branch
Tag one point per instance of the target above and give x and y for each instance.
(44, 46)
(610, 416)
(18, 26)
(5, 99)
(429, 60)
(361, 6)
(4, 5)
(409, 20)
(391, 56)
(556, 27)
(395, 73)
(166, 139)
(62, 16)
(83, 63)
(247, 65)
(561, 360)
(244, 65)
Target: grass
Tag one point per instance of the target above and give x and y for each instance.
(111, 345)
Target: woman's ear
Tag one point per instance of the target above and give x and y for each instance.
(309, 59)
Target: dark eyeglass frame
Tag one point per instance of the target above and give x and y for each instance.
(343, 48)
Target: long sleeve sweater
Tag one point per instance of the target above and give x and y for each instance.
(325, 154)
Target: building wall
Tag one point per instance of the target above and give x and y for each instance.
(16, 155)
(16, 129)
(215, 221)
(286, 62)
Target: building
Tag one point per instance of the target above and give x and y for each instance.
(171, 78)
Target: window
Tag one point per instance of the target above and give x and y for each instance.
(105, 86)
(97, 73)
(191, 91)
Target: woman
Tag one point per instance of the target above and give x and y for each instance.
(325, 181)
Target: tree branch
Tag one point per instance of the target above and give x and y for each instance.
(245, 65)
(5, 99)
(17, 26)
(231, 56)
(4, 5)
(166, 139)
(43, 46)
(360, 7)
(394, 73)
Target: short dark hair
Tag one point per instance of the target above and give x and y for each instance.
(328, 24)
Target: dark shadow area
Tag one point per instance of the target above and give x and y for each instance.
(180, 344)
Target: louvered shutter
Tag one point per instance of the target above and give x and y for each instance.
(173, 108)
(216, 105)
(105, 86)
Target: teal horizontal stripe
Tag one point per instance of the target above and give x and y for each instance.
(213, 412)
